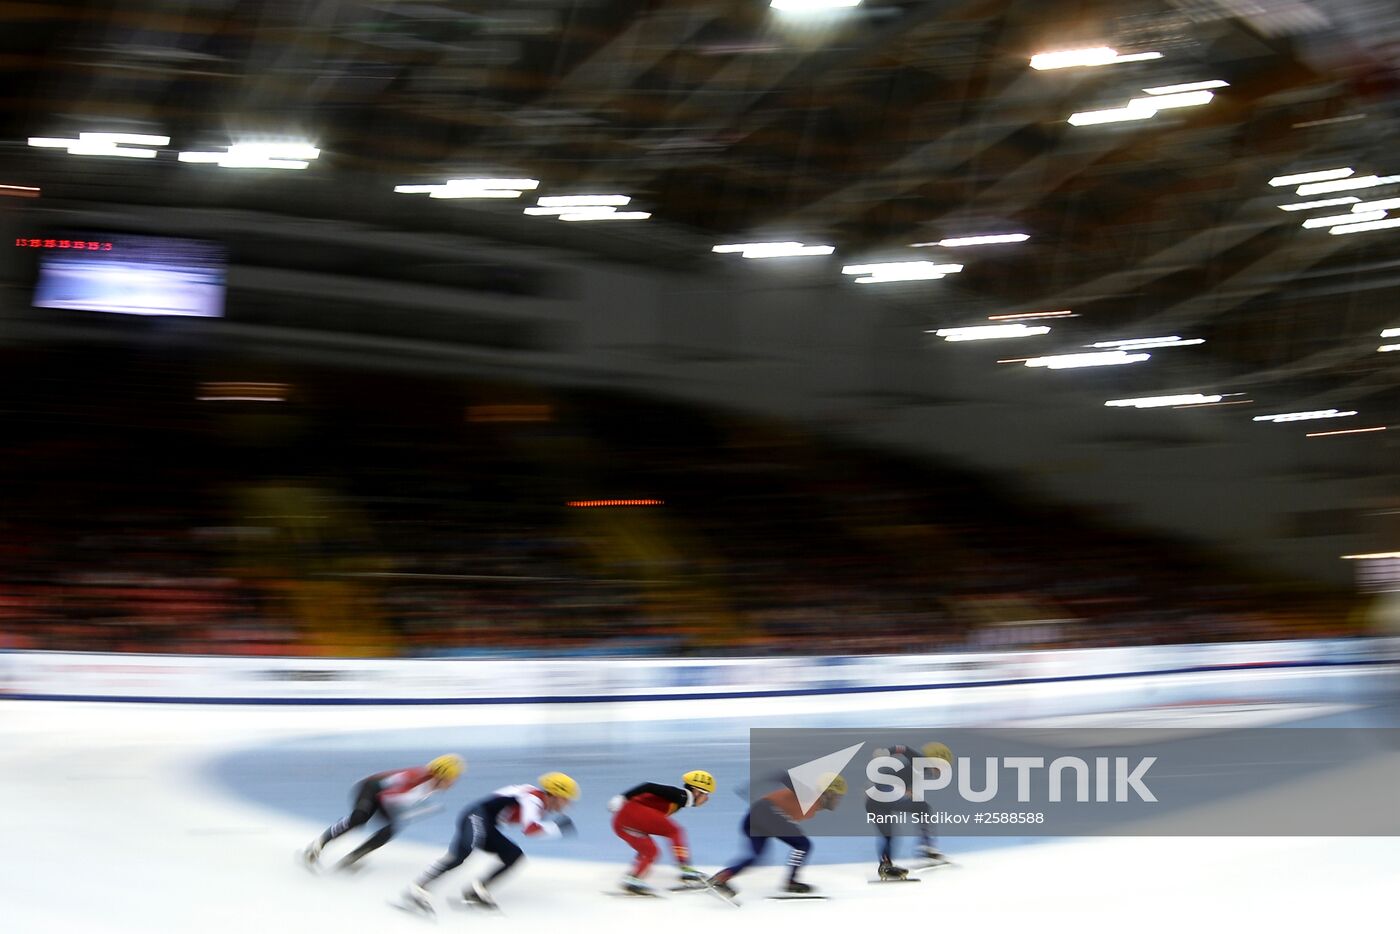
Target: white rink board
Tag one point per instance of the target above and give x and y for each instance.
(63, 676)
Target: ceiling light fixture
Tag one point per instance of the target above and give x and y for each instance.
(1347, 184)
(1086, 58)
(1336, 219)
(1182, 88)
(1146, 343)
(1076, 360)
(605, 216)
(1023, 316)
(1141, 108)
(774, 249)
(1156, 402)
(1302, 178)
(812, 6)
(1344, 431)
(1324, 203)
(566, 201)
(104, 144)
(1368, 225)
(285, 154)
(1302, 416)
(977, 241)
(988, 332)
(899, 272)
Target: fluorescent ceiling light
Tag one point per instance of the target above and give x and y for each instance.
(773, 249)
(975, 241)
(1336, 219)
(1168, 101)
(102, 144)
(1155, 402)
(1369, 225)
(1076, 360)
(989, 332)
(1324, 203)
(268, 154)
(1385, 204)
(1372, 555)
(463, 188)
(454, 192)
(1302, 416)
(899, 272)
(1388, 348)
(609, 216)
(1344, 431)
(1391, 332)
(1066, 313)
(135, 139)
(525, 184)
(1114, 115)
(1086, 58)
(1302, 178)
(812, 6)
(1144, 343)
(565, 201)
(1182, 88)
(109, 149)
(882, 268)
(580, 209)
(1136, 57)
(284, 149)
(1347, 184)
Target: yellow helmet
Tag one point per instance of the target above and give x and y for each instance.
(833, 783)
(447, 768)
(559, 785)
(938, 751)
(699, 778)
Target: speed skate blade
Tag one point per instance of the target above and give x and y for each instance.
(413, 908)
(904, 879)
(472, 904)
(929, 867)
(794, 897)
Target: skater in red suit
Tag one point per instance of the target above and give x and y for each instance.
(645, 812)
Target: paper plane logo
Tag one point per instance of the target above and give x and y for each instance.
(811, 779)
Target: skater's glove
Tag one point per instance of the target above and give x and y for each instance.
(616, 802)
(566, 826)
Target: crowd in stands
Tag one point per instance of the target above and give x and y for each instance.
(351, 533)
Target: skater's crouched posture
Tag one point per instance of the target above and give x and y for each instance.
(535, 809)
(777, 814)
(388, 795)
(645, 811)
(888, 815)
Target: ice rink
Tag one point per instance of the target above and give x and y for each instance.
(169, 817)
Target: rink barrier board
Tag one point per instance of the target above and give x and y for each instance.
(691, 696)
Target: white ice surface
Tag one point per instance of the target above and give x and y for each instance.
(108, 827)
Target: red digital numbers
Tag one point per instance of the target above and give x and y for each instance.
(46, 244)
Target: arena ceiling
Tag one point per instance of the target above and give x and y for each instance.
(871, 129)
